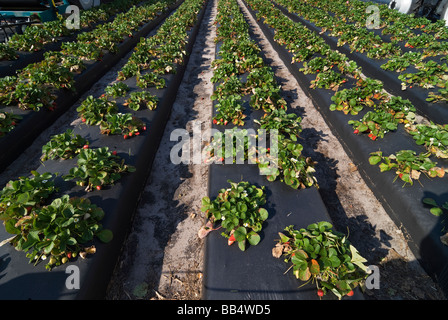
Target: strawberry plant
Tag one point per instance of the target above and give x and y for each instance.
(348, 101)
(19, 197)
(83, 50)
(7, 53)
(408, 165)
(354, 100)
(7, 89)
(231, 86)
(386, 117)
(401, 62)
(317, 64)
(59, 231)
(8, 121)
(116, 90)
(239, 212)
(30, 96)
(150, 79)
(377, 123)
(229, 110)
(121, 123)
(433, 136)
(289, 165)
(94, 110)
(328, 79)
(128, 71)
(419, 41)
(238, 150)
(71, 63)
(287, 124)
(97, 168)
(440, 96)
(141, 99)
(429, 75)
(64, 146)
(324, 256)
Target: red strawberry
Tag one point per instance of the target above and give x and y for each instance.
(320, 293)
(86, 146)
(214, 121)
(356, 131)
(225, 122)
(125, 136)
(144, 128)
(350, 293)
(231, 240)
(83, 120)
(137, 133)
(131, 133)
(114, 153)
(98, 187)
(69, 255)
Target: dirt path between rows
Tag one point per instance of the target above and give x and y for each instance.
(162, 258)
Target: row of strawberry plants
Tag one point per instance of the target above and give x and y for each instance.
(242, 58)
(339, 19)
(36, 86)
(152, 61)
(405, 206)
(58, 230)
(35, 37)
(239, 210)
(334, 71)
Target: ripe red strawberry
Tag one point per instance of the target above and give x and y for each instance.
(114, 153)
(214, 121)
(137, 133)
(225, 122)
(144, 128)
(98, 187)
(356, 131)
(69, 255)
(231, 240)
(83, 120)
(373, 137)
(125, 136)
(320, 293)
(131, 133)
(350, 293)
(86, 146)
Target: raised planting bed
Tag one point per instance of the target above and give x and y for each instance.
(374, 67)
(403, 201)
(32, 123)
(249, 267)
(30, 47)
(117, 198)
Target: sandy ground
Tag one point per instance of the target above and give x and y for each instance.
(162, 257)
